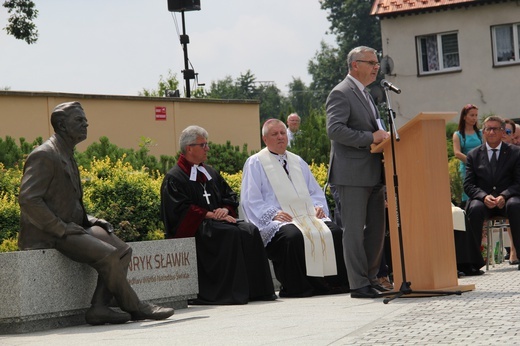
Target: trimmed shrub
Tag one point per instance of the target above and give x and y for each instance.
(127, 198)
(10, 179)
(456, 181)
(9, 216)
(234, 181)
(9, 245)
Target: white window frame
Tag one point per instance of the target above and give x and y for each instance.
(440, 54)
(515, 58)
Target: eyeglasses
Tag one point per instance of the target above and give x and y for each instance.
(202, 145)
(494, 129)
(509, 132)
(371, 63)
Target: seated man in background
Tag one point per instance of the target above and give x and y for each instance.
(197, 202)
(280, 195)
(293, 127)
(53, 216)
(493, 181)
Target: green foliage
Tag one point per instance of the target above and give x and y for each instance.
(234, 181)
(246, 87)
(327, 68)
(353, 26)
(136, 158)
(227, 158)
(170, 83)
(9, 215)
(272, 103)
(302, 99)
(9, 207)
(10, 179)
(351, 22)
(319, 171)
(456, 181)
(11, 154)
(157, 234)
(129, 199)
(9, 245)
(312, 143)
(20, 22)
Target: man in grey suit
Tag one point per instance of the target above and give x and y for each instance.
(353, 124)
(53, 216)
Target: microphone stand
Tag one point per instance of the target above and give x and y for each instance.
(405, 288)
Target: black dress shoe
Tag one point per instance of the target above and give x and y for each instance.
(473, 272)
(519, 267)
(379, 288)
(98, 315)
(151, 312)
(266, 298)
(364, 292)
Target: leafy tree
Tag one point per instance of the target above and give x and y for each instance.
(272, 103)
(353, 26)
(11, 154)
(301, 99)
(20, 22)
(351, 22)
(246, 87)
(243, 88)
(222, 89)
(312, 143)
(170, 83)
(227, 158)
(327, 69)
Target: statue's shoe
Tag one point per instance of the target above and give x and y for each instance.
(149, 311)
(98, 315)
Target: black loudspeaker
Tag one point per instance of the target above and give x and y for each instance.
(183, 5)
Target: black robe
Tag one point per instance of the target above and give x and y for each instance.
(231, 260)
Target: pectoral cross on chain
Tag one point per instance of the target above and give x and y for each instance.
(206, 194)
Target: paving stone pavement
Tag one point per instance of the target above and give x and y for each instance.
(490, 315)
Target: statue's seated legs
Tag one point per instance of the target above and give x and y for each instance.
(110, 257)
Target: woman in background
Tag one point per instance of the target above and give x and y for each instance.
(468, 137)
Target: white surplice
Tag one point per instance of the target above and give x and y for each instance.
(267, 189)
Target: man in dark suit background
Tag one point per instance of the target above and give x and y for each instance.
(493, 185)
(353, 124)
(53, 216)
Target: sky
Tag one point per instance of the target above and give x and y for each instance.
(118, 47)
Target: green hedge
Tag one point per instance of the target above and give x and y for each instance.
(128, 198)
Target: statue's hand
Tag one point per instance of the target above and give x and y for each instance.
(74, 229)
(104, 224)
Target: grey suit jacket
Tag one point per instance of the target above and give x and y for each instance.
(350, 124)
(50, 196)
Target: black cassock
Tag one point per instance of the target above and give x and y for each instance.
(231, 260)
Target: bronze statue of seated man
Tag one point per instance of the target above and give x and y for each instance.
(53, 216)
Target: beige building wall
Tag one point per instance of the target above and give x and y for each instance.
(126, 119)
(492, 89)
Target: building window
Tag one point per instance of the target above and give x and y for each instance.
(438, 53)
(506, 44)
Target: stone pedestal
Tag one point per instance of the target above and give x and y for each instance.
(42, 289)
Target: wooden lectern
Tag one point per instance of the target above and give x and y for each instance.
(425, 209)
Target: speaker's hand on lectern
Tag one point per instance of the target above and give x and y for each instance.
(379, 136)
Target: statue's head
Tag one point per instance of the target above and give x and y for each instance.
(68, 119)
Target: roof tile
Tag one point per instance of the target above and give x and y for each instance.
(389, 7)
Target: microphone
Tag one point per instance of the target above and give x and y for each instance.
(387, 84)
